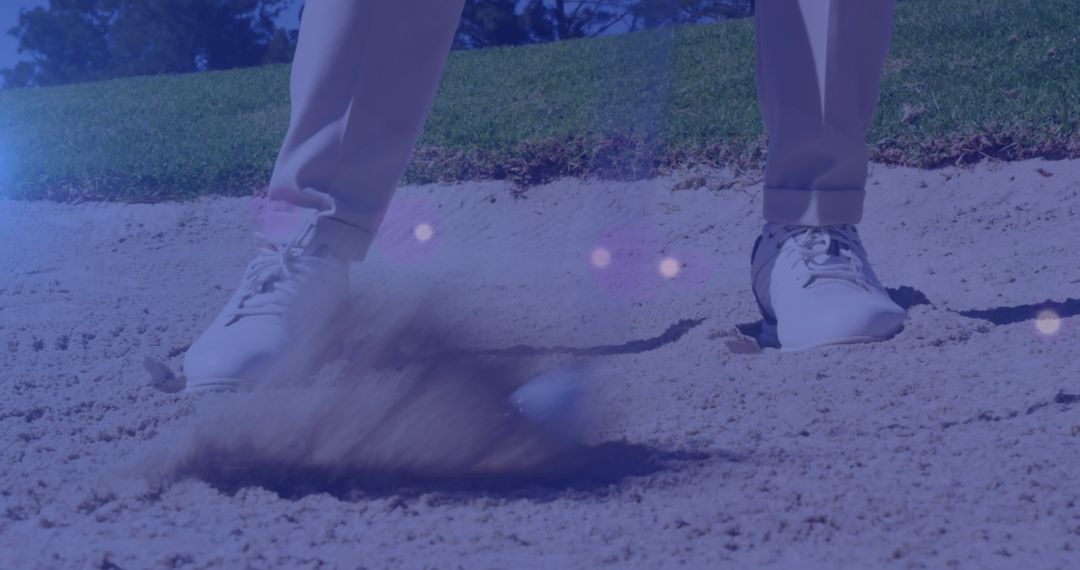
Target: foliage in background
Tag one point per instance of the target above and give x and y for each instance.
(487, 23)
(74, 41)
(965, 80)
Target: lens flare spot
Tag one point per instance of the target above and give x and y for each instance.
(600, 257)
(669, 267)
(1047, 322)
(423, 232)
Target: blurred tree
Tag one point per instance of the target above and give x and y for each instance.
(88, 40)
(487, 23)
(660, 13)
(553, 20)
(281, 47)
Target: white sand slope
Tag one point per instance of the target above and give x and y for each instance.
(954, 445)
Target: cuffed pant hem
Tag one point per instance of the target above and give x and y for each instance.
(344, 239)
(813, 207)
(281, 220)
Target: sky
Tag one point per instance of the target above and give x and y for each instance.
(9, 18)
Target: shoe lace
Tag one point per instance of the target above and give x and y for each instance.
(272, 278)
(829, 252)
(270, 281)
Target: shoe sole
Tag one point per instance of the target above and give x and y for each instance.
(214, 385)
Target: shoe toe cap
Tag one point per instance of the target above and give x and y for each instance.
(861, 320)
(214, 361)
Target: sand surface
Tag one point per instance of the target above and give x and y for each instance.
(954, 445)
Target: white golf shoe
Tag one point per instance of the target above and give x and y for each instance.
(287, 316)
(815, 287)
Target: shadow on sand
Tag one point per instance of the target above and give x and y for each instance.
(586, 471)
(1019, 313)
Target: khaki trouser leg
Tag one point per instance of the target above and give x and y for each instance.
(363, 81)
(819, 66)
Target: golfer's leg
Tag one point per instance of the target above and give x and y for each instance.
(363, 81)
(819, 75)
(819, 66)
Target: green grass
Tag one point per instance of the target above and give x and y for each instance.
(980, 71)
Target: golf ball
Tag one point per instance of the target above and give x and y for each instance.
(553, 401)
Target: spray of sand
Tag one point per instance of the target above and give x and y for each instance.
(408, 408)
